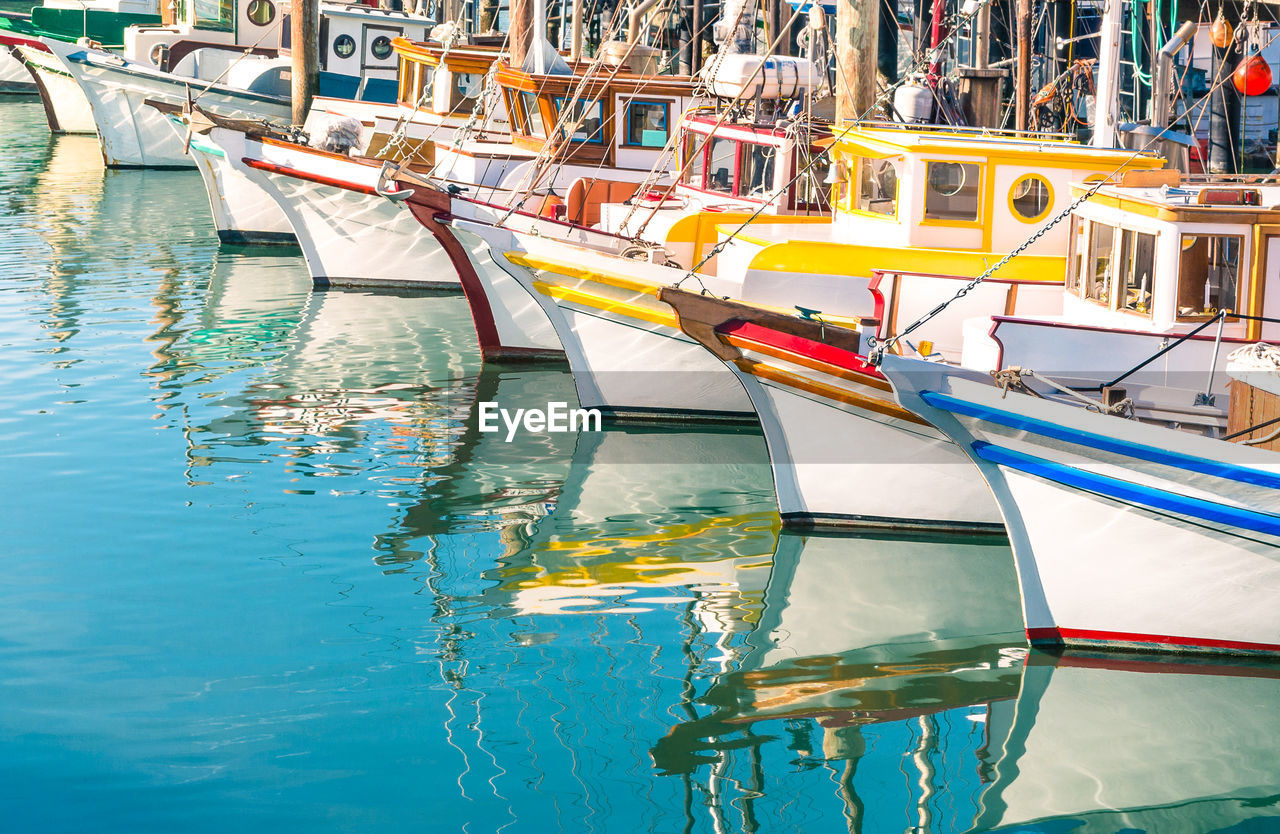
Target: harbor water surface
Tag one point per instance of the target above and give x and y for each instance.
(262, 572)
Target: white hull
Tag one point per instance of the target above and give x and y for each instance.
(839, 465)
(508, 318)
(1125, 535)
(135, 135)
(14, 78)
(243, 213)
(65, 104)
(630, 359)
(350, 236)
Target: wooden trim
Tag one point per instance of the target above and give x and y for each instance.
(821, 389)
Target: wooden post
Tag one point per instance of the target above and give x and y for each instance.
(304, 47)
(520, 30)
(857, 30)
(1022, 100)
(982, 47)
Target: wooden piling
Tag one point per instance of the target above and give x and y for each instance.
(304, 49)
(857, 30)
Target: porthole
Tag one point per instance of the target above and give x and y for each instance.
(381, 47)
(1030, 198)
(344, 46)
(261, 12)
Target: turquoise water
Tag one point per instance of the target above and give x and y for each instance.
(262, 573)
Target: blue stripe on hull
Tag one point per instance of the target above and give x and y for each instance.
(1151, 454)
(1145, 496)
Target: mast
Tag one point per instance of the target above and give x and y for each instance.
(1022, 101)
(1108, 87)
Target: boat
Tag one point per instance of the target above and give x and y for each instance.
(1127, 534)
(335, 205)
(1167, 275)
(920, 200)
(843, 452)
(673, 224)
(242, 76)
(101, 21)
(347, 232)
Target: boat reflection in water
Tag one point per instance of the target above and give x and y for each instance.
(650, 518)
(876, 660)
(1105, 743)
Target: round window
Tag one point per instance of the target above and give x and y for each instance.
(381, 47)
(261, 12)
(1030, 197)
(344, 46)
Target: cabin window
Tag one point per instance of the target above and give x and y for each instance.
(1209, 275)
(721, 164)
(533, 115)
(1030, 198)
(467, 86)
(218, 15)
(514, 113)
(587, 115)
(953, 191)
(811, 186)
(1077, 257)
(260, 12)
(1136, 271)
(695, 159)
(877, 186)
(344, 46)
(755, 178)
(1096, 287)
(645, 123)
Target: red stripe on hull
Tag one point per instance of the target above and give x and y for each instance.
(1086, 637)
(19, 40)
(801, 346)
(272, 168)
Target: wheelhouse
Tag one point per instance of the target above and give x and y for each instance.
(1173, 255)
(620, 120)
(753, 163)
(939, 189)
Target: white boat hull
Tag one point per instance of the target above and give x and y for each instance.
(136, 135)
(65, 105)
(349, 235)
(839, 465)
(629, 358)
(1126, 535)
(509, 320)
(243, 213)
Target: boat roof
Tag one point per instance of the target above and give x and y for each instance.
(884, 139)
(1167, 195)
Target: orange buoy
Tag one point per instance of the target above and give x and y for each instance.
(1221, 32)
(1253, 76)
